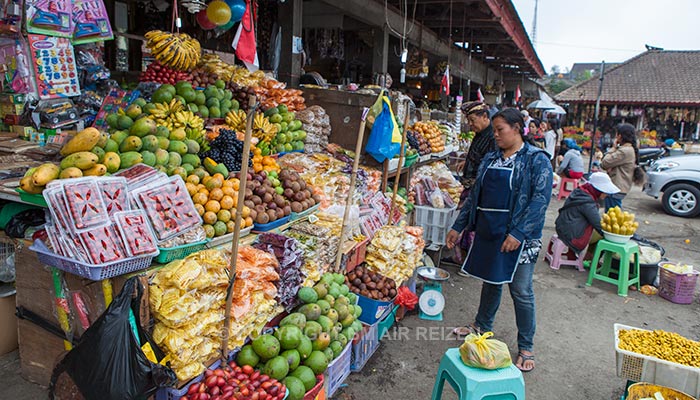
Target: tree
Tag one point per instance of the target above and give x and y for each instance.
(557, 86)
(555, 70)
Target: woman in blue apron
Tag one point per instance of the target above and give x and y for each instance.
(506, 209)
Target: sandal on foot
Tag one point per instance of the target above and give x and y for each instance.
(525, 358)
(463, 331)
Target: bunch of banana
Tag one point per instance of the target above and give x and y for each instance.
(263, 129)
(236, 120)
(175, 50)
(212, 64)
(161, 112)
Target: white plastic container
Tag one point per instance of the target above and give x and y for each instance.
(640, 368)
(615, 238)
(436, 222)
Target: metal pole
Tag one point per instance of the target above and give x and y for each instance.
(595, 118)
(243, 177)
(351, 192)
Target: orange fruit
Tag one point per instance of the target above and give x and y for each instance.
(199, 208)
(228, 183)
(248, 222)
(200, 198)
(209, 230)
(227, 203)
(194, 179)
(236, 184)
(224, 216)
(213, 206)
(216, 194)
(191, 188)
(229, 191)
(230, 226)
(220, 176)
(257, 151)
(245, 212)
(209, 217)
(206, 179)
(214, 183)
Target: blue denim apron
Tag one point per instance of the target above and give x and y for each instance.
(485, 259)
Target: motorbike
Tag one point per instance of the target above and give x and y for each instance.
(651, 154)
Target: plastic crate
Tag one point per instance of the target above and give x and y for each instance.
(640, 368)
(436, 222)
(677, 288)
(270, 225)
(338, 370)
(373, 310)
(364, 345)
(168, 254)
(95, 272)
(387, 322)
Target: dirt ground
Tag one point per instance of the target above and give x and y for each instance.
(574, 344)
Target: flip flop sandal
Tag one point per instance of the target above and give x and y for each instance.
(463, 331)
(526, 357)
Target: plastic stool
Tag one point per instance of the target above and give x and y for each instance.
(477, 384)
(623, 281)
(556, 250)
(563, 191)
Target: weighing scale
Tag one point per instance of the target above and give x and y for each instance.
(431, 302)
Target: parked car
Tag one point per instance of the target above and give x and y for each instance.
(678, 178)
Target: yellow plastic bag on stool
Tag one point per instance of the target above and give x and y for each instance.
(479, 351)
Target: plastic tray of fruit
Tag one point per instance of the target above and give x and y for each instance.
(136, 233)
(115, 194)
(57, 207)
(89, 271)
(103, 245)
(295, 216)
(137, 175)
(169, 208)
(270, 225)
(36, 199)
(86, 207)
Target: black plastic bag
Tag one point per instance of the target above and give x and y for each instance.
(108, 363)
(19, 223)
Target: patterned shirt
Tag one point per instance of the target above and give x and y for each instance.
(483, 143)
(531, 247)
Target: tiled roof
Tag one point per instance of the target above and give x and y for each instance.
(653, 77)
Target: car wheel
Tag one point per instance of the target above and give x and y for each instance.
(55, 120)
(72, 115)
(682, 200)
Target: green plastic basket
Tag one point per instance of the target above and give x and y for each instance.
(168, 254)
(36, 199)
(410, 160)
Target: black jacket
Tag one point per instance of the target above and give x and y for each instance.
(483, 143)
(577, 219)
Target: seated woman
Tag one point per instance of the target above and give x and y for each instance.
(572, 164)
(579, 216)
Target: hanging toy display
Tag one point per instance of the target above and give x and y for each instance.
(219, 12)
(49, 17)
(91, 22)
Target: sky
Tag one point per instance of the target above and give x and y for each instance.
(570, 31)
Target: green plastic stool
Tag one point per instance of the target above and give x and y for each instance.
(623, 281)
(478, 384)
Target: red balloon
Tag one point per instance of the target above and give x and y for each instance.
(203, 21)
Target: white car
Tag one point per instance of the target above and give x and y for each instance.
(678, 178)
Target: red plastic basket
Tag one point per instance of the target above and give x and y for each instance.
(311, 394)
(677, 288)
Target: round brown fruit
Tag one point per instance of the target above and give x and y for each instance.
(272, 214)
(287, 209)
(262, 218)
(280, 213)
(296, 207)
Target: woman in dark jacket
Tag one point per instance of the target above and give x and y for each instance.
(506, 209)
(580, 216)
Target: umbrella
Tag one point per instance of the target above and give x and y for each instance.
(541, 104)
(556, 110)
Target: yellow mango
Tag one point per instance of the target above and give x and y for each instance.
(97, 170)
(45, 174)
(70, 172)
(28, 186)
(83, 160)
(83, 141)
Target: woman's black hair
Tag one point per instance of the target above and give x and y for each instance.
(553, 124)
(629, 135)
(535, 121)
(515, 119)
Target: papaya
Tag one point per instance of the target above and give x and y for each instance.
(70, 172)
(97, 170)
(112, 161)
(210, 165)
(83, 160)
(45, 174)
(129, 159)
(83, 141)
(28, 186)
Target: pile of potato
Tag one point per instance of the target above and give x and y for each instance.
(371, 284)
(662, 345)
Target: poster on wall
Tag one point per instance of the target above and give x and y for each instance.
(54, 66)
(49, 17)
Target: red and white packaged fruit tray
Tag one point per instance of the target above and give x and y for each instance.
(115, 194)
(86, 208)
(168, 206)
(103, 245)
(136, 233)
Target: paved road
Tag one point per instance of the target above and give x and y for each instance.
(574, 342)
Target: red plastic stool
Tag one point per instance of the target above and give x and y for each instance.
(556, 255)
(564, 191)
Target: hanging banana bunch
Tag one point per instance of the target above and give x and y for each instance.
(175, 50)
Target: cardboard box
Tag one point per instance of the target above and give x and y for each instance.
(11, 108)
(14, 98)
(8, 324)
(22, 131)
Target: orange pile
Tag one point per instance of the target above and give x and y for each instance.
(264, 163)
(215, 199)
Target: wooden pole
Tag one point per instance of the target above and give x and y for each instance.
(243, 177)
(351, 192)
(400, 167)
